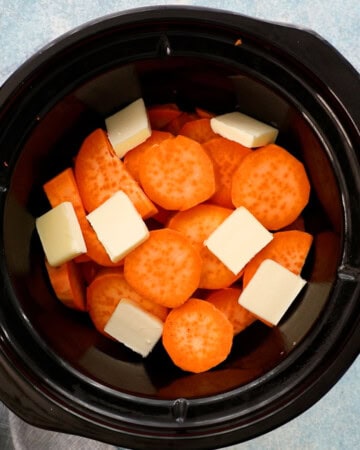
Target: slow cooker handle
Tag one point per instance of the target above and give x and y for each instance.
(310, 52)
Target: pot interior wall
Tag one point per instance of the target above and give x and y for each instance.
(69, 336)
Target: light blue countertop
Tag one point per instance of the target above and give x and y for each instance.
(27, 25)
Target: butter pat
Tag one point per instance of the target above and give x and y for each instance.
(243, 129)
(236, 240)
(118, 226)
(271, 291)
(128, 128)
(60, 234)
(134, 327)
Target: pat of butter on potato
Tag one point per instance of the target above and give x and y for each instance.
(118, 226)
(128, 127)
(134, 327)
(271, 291)
(60, 234)
(238, 239)
(244, 129)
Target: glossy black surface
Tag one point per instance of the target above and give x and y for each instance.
(51, 359)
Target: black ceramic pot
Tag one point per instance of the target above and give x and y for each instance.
(56, 371)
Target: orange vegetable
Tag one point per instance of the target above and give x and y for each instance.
(197, 336)
(197, 224)
(177, 174)
(273, 185)
(63, 188)
(227, 301)
(165, 268)
(288, 248)
(203, 114)
(161, 115)
(82, 258)
(199, 130)
(178, 122)
(68, 284)
(226, 156)
(99, 173)
(186, 180)
(132, 157)
(106, 290)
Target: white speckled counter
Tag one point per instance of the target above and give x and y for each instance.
(27, 25)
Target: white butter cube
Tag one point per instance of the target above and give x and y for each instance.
(60, 234)
(118, 226)
(128, 127)
(134, 327)
(271, 291)
(236, 240)
(243, 129)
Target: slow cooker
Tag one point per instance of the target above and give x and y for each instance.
(57, 372)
